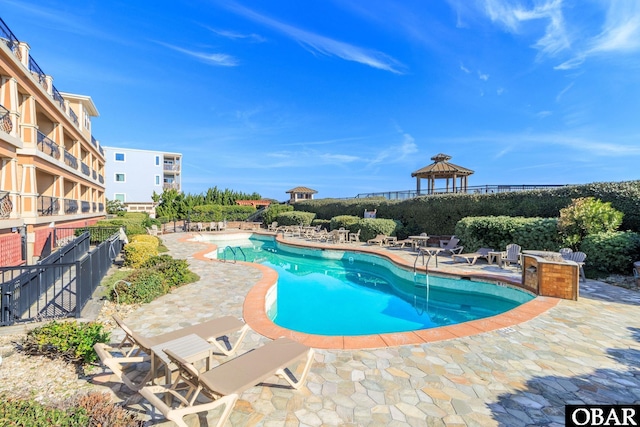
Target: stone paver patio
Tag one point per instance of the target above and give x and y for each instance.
(585, 351)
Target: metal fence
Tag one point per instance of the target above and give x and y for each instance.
(477, 189)
(59, 285)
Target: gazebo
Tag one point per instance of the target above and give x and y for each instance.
(301, 193)
(442, 169)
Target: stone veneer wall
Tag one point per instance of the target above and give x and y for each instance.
(550, 278)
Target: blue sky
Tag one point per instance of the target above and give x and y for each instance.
(351, 96)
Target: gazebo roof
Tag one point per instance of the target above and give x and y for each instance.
(441, 168)
(302, 190)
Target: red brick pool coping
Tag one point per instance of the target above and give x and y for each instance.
(254, 311)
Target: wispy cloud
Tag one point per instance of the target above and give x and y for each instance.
(318, 44)
(397, 152)
(483, 76)
(233, 35)
(563, 91)
(219, 59)
(465, 69)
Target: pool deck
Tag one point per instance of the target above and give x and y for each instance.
(517, 369)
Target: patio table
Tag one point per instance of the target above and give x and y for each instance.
(192, 348)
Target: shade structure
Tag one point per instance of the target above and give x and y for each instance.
(442, 169)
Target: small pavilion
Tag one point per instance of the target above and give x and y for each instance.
(442, 169)
(301, 193)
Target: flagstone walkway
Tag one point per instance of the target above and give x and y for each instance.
(585, 351)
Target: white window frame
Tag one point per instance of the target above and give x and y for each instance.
(115, 157)
(157, 180)
(124, 197)
(157, 160)
(124, 177)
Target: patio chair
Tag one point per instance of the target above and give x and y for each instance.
(564, 251)
(471, 258)
(380, 239)
(354, 237)
(215, 331)
(511, 255)
(273, 226)
(224, 383)
(578, 258)
(452, 246)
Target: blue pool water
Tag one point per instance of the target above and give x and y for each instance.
(332, 292)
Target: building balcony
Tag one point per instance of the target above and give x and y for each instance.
(85, 206)
(6, 124)
(70, 160)
(47, 206)
(94, 174)
(70, 206)
(100, 207)
(6, 205)
(47, 146)
(85, 169)
(174, 167)
(100, 179)
(171, 186)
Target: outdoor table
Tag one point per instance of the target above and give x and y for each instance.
(344, 235)
(494, 256)
(417, 240)
(192, 348)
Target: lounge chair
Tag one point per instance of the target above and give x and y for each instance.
(578, 258)
(224, 383)
(380, 239)
(273, 226)
(214, 331)
(354, 237)
(511, 255)
(452, 246)
(471, 258)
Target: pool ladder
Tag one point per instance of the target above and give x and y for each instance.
(424, 307)
(234, 252)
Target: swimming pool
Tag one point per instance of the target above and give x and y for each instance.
(336, 292)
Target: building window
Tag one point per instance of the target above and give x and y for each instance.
(119, 157)
(157, 160)
(119, 196)
(157, 179)
(87, 119)
(119, 177)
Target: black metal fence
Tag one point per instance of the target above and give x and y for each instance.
(59, 285)
(477, 189)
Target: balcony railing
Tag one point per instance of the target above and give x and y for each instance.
(94, 174)
(85, 206)
(85, 169)
(6, 124)
(6, 205)
(70, 160)
(9, 38)
(170, 186)
(172, 167)
(101, 151)
(47, 146)
(94, 142)
(101, 179)
(57, 97)
(478, 189)
(47, 206)
(94, 206)
(100, 207)
(70, 206)
(74, 117)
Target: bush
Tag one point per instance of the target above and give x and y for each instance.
(323, 223)
(175, 271)
(585, 216)
(147, 238)
(271, 213)
(371, 227)
(295, 218)
(499, 231)
(70, 341)
(94, 409)
(137, 253)
(346, 221)
(141, 286)
(612, 252)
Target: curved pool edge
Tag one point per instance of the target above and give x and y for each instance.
(255, 315)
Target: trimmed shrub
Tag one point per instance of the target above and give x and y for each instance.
(611, 252)
(131, 226)
(271, 213)
(324, 223)
(371, 227)
(71, 341)
(346, 221)
(142, 286)
(295, 218)
(136, 253)
(499, 231)
(145, 238)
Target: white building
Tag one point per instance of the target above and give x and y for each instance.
(133, 175)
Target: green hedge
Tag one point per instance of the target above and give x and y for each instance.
(209, 213)
(371, 227)
(271, 213)
(439, 214)
(344, 221)
(611, 252)
(498, 231)
(295, 218)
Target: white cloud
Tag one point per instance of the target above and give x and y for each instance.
(237, 36)
(398, 152)
(465, 69)
(563, 91)
(220, 59)
(316, 43)
(483, 76)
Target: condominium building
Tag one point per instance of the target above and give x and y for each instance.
(132, 176)
(51, 166)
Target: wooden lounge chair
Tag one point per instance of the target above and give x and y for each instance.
(471, 258)
(380, 239)
(452, 246)
(215, 331)
(224, 383)
(511, 255)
